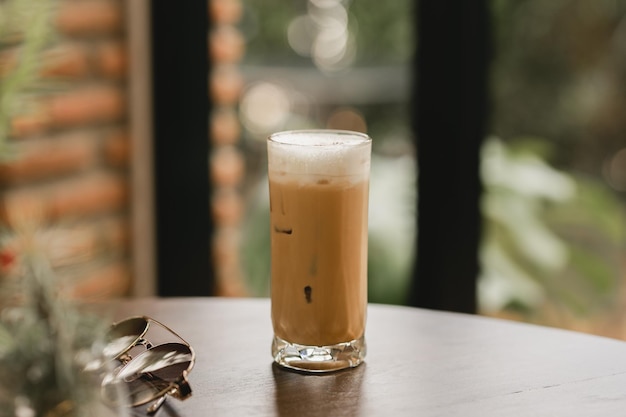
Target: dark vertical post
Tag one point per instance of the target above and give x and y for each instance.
(181, 110)
(450, 116)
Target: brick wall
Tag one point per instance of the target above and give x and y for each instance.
(69, 172)
(227, 48)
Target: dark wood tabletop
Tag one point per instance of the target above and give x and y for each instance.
(419, 363)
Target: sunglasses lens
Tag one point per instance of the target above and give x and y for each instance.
(150, 374)
(166, 362)
(145, 390)
(124, 335)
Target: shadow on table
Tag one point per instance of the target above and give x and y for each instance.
(318, 394)
(166, 410)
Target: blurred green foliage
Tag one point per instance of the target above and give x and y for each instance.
(559, 95)
(382, 31)
(559, 73)
(25, 27)
(550, 237)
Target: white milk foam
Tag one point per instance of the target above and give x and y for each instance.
(309, 155)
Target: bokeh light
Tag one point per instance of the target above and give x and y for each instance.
(324, 35)
(347, 118)
(264, 107)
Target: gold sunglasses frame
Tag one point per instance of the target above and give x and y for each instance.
(178, 388)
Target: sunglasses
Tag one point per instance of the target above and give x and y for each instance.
(144, 373)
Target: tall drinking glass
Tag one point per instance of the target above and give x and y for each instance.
(319, 185)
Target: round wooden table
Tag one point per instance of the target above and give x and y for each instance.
(419, 363)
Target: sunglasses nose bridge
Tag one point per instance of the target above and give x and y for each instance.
(143, 342)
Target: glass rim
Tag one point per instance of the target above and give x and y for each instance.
(360, 138)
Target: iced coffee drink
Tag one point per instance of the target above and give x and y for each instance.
(319, 183)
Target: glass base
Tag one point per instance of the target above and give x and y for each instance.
(318, 359)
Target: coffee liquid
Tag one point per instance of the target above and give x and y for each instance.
(319, 246)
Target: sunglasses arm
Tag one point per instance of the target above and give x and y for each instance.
(155, 406)
(180, 389)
